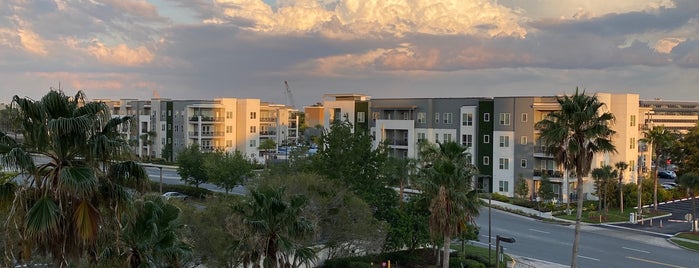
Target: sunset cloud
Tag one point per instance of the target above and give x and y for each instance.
(121, 54)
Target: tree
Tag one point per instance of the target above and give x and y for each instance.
(621, 166)
(573, 135)
(658, 139)
(545, 191)
(602, 176)
(690, 149)
(153, 239)
(267, 145)
(447, 186)
(226, 170)
(190, 165)
(522, 188)
(691, 182)
(83, 174)
(398, 172)
(276, 221)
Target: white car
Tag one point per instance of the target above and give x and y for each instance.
(669, 185)
(175, 195)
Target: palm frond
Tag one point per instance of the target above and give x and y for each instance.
(79, 181)
(86, 219)
(43, 218)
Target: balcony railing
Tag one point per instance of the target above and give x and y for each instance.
(206, 133)
(268, 119)
(397, 142)
(207, 118)
(548, 172)
(268, 133)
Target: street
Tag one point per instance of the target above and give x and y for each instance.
(599, 247)
(170, 176)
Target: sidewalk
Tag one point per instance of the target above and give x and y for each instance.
(526, 262)
(520, 210)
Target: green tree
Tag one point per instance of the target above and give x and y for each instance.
(226, 170)
(522, 188)
(691, 182)
(82, 175)
(398, 172)
(447, 186)
(267, 145)
(154, 238)
(621, 167)
(190, 165)
(602, 177)
(276, 221)
(659, 139)
(573, 135)
(690, 150)
(545, 191)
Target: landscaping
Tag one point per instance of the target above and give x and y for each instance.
(687, 244)
(474, 256)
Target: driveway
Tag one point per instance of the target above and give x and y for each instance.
(669, 225)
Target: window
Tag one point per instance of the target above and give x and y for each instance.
(447, 137)
(486, 160)
(169, 112)
(229, 115)
(375, 115)
(253, 129)
(360, 117)
(406, 115)
(486, 117)
(632, 143)
(421, 118)
(421, 137)
(467, 140)
(253, 143)
(436, 137)
(436, 118)
(523, 163)
(467, 119)
(162, 127)
(503, 186)
(525, 117)
(229, 143)
(447, 118)
(504, 163)
(504, 141)
(169, 140)
(169, 126)
(505, 119)
(632, 165)
(253, 115)
(229, 129)
(486, 138)
(633, 120)
(162, 141)
(523, 140)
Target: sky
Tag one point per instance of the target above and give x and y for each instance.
(205, 49)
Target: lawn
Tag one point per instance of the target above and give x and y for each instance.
(687, 244)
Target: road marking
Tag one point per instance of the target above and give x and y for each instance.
(654, 262)
(543, 232)
(637, 250)
(589, 258)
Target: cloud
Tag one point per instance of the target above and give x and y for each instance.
(358, 18)
(666, 45)
(120, 55)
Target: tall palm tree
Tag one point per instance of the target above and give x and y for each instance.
(691, 182)
(573, 135)
(602, 176)
(447, 185)
(621, 166)
(82, 175)
(658, 138)
(276, 221)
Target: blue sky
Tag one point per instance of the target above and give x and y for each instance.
(204, 49)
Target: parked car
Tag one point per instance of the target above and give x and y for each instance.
(669, 185)
(175, 195)
(665, 174)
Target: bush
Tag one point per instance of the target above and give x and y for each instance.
(348, 262)
(473, 264)
(501, 198)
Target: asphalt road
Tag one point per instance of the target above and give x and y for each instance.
(599, 247)
(170, 176)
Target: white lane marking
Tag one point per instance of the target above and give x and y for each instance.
(589, 258)
(637, 250)
(543, 232)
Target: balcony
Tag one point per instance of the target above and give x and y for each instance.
(206, 133)
(206, 119)
(397, 142)
(549, 173)
(540, 151)
(268, 119)
(268, 133)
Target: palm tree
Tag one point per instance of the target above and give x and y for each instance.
(691, 182)
(276, 222)
(621, 166)
(602, 176)
(57, 209)
(398, 171)
(152, 239)
(573, 135)
(447, 186)
(658, 138)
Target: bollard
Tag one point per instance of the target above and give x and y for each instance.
(661, 224)
(651, 222)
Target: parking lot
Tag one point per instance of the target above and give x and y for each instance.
(675, 223)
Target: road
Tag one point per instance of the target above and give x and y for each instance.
(599, 247)
(170, 176)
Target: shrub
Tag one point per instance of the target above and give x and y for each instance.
(501, 198)
(473, 264)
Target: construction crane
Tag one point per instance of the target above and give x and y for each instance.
(289, 96)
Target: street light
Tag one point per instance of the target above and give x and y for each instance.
(497, 247)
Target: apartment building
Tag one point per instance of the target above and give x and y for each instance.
(165, 127)
(351, 107)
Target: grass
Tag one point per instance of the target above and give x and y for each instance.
(612, 215)
(690, 236)
(480, 253)
(686, 244)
